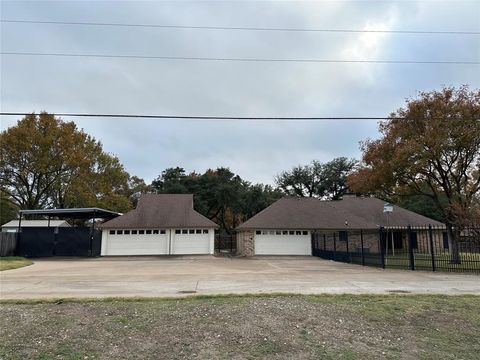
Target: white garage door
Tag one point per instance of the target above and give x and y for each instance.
(191, 241)
(135, 242)
(282, 242)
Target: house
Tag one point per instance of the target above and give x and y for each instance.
(288, 226)
(12, 226)
(161, 224)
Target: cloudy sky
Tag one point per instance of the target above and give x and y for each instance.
(256, 150)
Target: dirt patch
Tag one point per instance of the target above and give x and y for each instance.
(278, 327)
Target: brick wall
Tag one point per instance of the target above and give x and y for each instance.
(246, 243)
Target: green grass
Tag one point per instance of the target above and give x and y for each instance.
(469, 262)
(245, 327)
(13, 262)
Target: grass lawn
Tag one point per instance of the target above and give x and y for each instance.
(13, 262)
(470, 262)
(245, 327)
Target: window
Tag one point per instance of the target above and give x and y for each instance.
(285, 232)
(291, 232)
(271, 232)
(198, 231)
(119, 232)
(342, 236)
(264, 232)
(304, 232)
(258, 232)
(205, 231)
(298, 233)
(178, 231)
(126, 232)
(155, 231)
(184, 231)
(191, 231)
(278, 232)
(112, 232)
(148, 232)
(141, 232)
(134, 232)
(162, 231)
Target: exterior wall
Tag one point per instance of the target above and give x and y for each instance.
(246, 243)
(167, 239)
(246, 240)
(370, 240)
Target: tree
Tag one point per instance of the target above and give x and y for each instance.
(327, 180)
(220, 195)
(46, 162)
(430, 147)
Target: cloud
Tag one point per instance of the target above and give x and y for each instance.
(257, 150)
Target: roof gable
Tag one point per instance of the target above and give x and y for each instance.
(161, 211)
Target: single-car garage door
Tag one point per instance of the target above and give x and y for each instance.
(282, 242)
(191, 241)
(135, 242)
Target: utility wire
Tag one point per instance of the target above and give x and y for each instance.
(427, 32)
(194, 58)
(195, 117)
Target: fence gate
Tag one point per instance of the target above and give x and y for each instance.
(61, 241)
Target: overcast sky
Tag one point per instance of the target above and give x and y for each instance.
(255, 150)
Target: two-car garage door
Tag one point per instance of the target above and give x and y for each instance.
(282, 242)
(157, 242)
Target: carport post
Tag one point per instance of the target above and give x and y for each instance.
(90, 252)
(361, 244)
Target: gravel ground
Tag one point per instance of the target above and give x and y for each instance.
(247, 327)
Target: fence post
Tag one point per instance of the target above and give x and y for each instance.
(382, 252)
(324, 242)
(411, 257)
(432, 252)
(361, 244)
(348, 253)
(334, 247)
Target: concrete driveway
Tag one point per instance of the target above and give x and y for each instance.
(177, 276)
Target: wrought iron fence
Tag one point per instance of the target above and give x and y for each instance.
(226, 243)
(415, 248)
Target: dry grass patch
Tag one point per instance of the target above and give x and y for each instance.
(245, 327)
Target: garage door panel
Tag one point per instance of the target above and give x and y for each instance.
(190, 244)
(282, 245)
(137, 245)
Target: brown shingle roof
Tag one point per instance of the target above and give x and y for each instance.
(161, 211)
(311, 213)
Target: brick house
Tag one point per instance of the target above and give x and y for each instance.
(288, 226)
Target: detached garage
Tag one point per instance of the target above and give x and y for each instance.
(162, 224)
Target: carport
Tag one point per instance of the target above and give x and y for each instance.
(62, 241)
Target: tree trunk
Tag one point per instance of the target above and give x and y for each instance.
(453, 246)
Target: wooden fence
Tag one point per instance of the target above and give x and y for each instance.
(8, 243)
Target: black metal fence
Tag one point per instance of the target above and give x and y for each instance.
(60, 241)
(226, 243)
(413, 248)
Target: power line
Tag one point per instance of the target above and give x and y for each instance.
(427, 32)
(194, 58)
(196, 117)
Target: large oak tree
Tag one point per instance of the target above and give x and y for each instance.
(46, 162)
(429, 147)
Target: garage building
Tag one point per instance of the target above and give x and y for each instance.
(286, 227)
(161, 224)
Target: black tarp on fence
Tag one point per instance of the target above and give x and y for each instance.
(61, 241)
